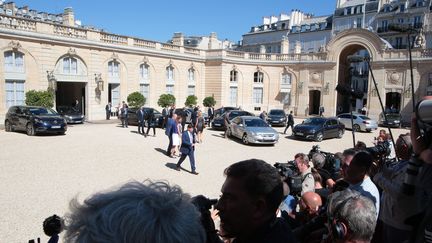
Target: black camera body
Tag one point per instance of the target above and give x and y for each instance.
(331, 164)
(291, 175)
(380, 151)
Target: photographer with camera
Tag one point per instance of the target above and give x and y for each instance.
(390, 178)
(251, 194)
(308, 182)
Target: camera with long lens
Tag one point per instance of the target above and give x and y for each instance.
(379, 151)
(330, 163)
(291, 175)
(203, 205)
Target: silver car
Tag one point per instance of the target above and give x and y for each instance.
(251, 129)
(360, 122)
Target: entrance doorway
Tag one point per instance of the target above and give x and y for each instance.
(114, 97)
(352, 76)
(68, 92)
(393, 101)
(314, 102)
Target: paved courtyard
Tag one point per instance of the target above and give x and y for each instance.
(40, 175)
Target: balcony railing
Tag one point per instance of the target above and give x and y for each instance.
(169, 47)
(17, 23)
(113, 39)
(144, 43)
(70, 31)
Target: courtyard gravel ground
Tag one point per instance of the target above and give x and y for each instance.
(40, 175)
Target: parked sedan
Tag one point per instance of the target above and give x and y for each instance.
(34, 120)
(70, 114)
(277, 117)
(393, 120)
(133, 119)
(222, 110)
(252, 129)
(360, 122)
(219, 123)
(319, 128)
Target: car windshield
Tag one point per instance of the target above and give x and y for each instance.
(66, 109)
(364, 117)
(42, 111)
(255, 123)
(233, 114)
(314, 121)
(276, 112)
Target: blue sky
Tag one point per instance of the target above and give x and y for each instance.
(158, 20)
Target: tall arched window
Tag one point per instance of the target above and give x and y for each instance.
(70, 65)
(258, 77)
(170, 73)
(14, 61)
(113, 68)
(286, 79)
(191, 74)
(233, 76)
(144, 71)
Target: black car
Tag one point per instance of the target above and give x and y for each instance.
(393, 120)
(222, 110)
(70, 114)
(185, 113)
(34, 120)
(133, 118)
(277, 117)
(319, 128)
(219, 124)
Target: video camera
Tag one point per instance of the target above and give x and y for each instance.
(329, 162)
(291, 175)
(203, 205)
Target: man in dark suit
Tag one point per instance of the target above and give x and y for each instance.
(108, 110)
(290, 122)
(151, 122)
(141, 120)
(210, 113)
(187, 148)
(170, 128)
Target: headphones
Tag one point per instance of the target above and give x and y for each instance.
(339, 227)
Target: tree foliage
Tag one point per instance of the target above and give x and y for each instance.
(136, 99)
(40, 98)
(191, 100)
(166, 100)
(209, 101)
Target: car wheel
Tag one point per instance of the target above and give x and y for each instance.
(356, 128)
(8, 126)
(319, 137)
(340, 133)
(245, 139)
(30, 129)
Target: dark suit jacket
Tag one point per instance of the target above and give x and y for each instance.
(290, 119)
(186, 146)
(171, 127)
(210, 112)
(140, 115)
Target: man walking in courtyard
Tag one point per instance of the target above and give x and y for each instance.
(290, 122)
(188, 149)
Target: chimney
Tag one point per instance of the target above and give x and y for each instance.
(178, 39)
(213, 41)
(68, 17)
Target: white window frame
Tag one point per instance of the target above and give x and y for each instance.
(234, 76)
(70, 65)
(286, 99)
(144, 71)
(258, 77)
(145, 90)
(286, 79)
(257, 95)
(115, 94)
(14, 92)
(233, 96)
(170, 74)
(170, 89)
(191, 90)
(113, 68)
(191, 75)
(14, 61)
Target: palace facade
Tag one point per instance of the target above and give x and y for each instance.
(42, 50)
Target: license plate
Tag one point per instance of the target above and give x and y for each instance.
(55, 127)
(299, 133)
(275, 121)
(217, 125)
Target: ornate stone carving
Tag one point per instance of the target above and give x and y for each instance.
(114, 56)
(192, 66)
(71, 52)
(15, 45)
(259, 69)
(316, 77)
(394, 77)
(234, 67)
(145, 60)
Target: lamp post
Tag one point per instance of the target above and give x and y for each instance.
(52, 81)
(99, 82)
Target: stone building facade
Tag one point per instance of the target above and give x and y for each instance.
(96, 67)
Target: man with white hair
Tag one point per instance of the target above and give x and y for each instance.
(149, 212)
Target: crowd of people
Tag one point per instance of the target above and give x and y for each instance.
(361, 194)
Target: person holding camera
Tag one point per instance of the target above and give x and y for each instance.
(308, 182)
(250, 197)
(351, 217)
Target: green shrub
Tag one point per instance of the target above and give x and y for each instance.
(166, 100)
(209, 101)
(136, 100)
(191, 100)
(40, 98)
